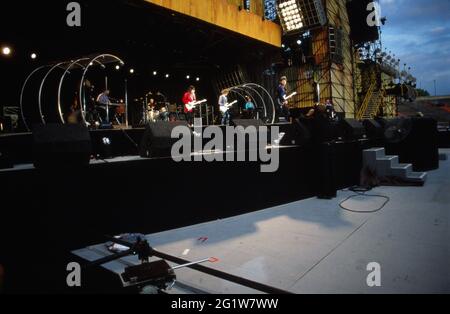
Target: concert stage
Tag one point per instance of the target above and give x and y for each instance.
(314, 246)
(68, 209)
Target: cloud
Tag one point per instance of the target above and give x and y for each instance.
(438, 30)
(418, 32)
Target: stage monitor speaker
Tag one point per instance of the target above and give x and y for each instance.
(296, 133)
(352, 129)
(5, 160)
(61, 146)
(247, 122)
(157, 140)
(360, 31)
(374, 130)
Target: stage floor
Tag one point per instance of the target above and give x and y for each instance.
(313, 246)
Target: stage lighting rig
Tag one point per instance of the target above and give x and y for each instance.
(298, 15)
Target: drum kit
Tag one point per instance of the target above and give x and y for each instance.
(161, 114)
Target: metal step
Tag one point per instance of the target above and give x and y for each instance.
(370, 157)
(417, 177)
(379, 152)
(401, 170)
(386, 164)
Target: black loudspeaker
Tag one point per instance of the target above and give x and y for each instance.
(57, 145)
(374, 130)
(352, 129)
(326, 187)
(245, 123)
(360, 31)
(420, 147)
(158, 141)
(296, 133)
(248, 122)
(5, 160)
(322, 129)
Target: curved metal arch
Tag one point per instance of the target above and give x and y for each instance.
(23, 90)
(246, 94)
(235, 89)
(77, 62)
(259, 95)
(83, 77)
(270, 97)
(42, 86)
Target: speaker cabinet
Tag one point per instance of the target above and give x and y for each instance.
(66, 146)
(352, 129)
(374, 130)
(157, 140)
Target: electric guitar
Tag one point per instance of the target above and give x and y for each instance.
(192, 105)
(226, 107)
(286, 98)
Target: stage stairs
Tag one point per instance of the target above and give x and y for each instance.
(384, 166)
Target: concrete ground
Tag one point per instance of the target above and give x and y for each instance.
(314, 246)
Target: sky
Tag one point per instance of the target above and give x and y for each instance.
(418, 32)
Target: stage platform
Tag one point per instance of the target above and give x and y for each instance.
(66, 209)
(314, 246)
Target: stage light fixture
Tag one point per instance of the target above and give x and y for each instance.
(297, 15)
(167, 75)
(6, 51)
(33, 56)
(188, 77)
(117, 67)
(155, 73)
(197, 79)
(299, 42)
(131, 71)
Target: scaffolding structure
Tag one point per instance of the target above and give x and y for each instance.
(328, 66)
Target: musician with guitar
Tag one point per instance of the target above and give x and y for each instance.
(224, 107)
(283, 99)
(190, 103)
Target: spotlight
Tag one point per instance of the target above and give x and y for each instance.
(33, 56)
(117, 67)
(197, 79)
(299, 42)
(167, 75)
(300, 14)
(155, 73)
(188, 77)
(6, 51)
(131, 71)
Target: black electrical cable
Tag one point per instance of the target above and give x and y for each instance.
(129, 137)
(361, 191)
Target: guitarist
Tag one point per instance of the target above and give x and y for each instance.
(283, 109)
(223, 102)
(188, 98)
